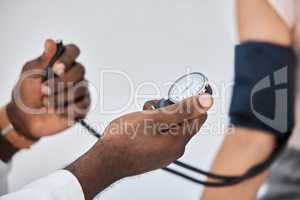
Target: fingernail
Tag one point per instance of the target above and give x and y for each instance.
(59, 68)
(45, 90)
(205, 100)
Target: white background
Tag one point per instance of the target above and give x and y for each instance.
(153, 40)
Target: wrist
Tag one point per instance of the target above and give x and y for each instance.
(16, 118)
(97, 169)
(11, 132)
(6, 148)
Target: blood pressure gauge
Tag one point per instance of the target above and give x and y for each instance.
(186, 86)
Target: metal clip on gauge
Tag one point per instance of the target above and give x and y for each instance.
(188, 85)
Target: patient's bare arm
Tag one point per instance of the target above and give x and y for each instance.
(257, 21)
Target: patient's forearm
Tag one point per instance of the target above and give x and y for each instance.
(240, 150)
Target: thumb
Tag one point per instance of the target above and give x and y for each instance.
(206, 101)
(49, 52)
(192, 108)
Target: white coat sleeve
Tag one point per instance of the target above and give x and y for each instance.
(61, 185)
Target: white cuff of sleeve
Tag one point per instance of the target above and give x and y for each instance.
(60, 185)
(4, 170)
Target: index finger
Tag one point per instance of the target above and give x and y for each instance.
(149, 105)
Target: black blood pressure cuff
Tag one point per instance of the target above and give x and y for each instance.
(263, 92)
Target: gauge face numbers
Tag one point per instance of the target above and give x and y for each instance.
(187, 86)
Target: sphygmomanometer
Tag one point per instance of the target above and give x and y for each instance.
(262, 99)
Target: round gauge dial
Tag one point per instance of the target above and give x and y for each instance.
(186, 86)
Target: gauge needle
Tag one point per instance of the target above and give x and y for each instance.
(187, 87)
